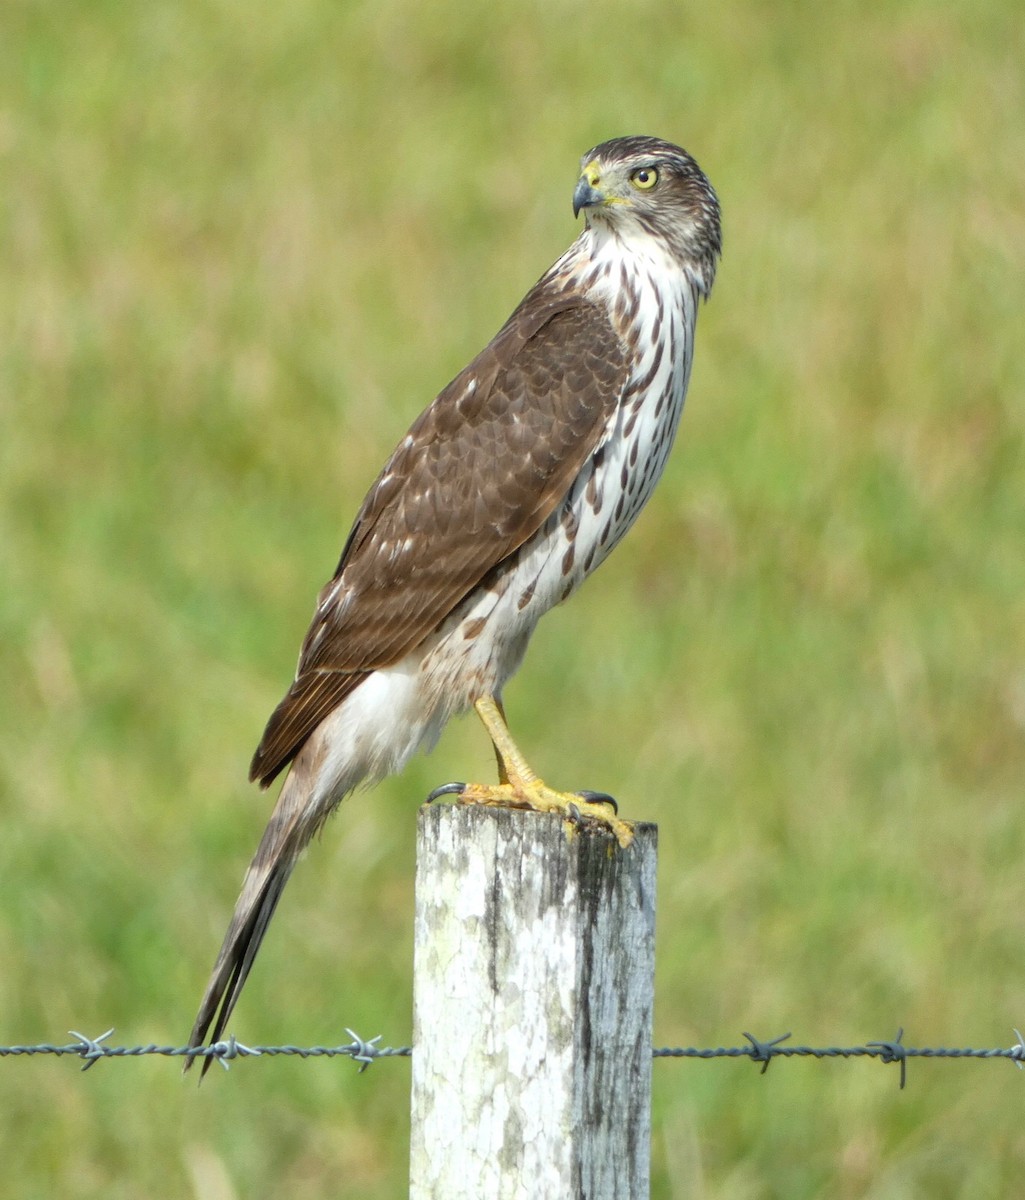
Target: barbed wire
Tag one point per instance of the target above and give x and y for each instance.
(885, 1051)
(225, 1052)
(91, 1050)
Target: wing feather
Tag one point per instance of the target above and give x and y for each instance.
(478, 473)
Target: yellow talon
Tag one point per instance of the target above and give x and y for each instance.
(521, 788)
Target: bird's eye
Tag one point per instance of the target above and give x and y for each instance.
(644, 178)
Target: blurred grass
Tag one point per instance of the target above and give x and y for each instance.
(241, 245)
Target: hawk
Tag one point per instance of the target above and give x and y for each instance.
(505, 494)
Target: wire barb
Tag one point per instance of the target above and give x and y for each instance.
(225, 1051)
(894, 1051)
(91, 1049)
(364, 1053)
(764, 1052)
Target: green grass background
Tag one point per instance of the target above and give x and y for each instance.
(241, 245)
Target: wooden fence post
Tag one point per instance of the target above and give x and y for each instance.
(532, 999)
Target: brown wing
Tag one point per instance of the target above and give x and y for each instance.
(478, 473)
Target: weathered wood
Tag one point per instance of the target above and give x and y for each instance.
(532, 995)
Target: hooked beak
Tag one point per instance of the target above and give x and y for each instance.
(585, 195)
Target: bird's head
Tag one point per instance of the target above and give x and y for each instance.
(645, 185)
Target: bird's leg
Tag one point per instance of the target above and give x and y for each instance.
(520, 787)
(503, 774)
(512, 766)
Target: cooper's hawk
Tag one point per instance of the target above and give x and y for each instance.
(501, 499)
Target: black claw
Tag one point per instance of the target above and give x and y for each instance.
(446, 789)
(599, 798)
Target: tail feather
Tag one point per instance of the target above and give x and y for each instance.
(353, 744)
(290, 828)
